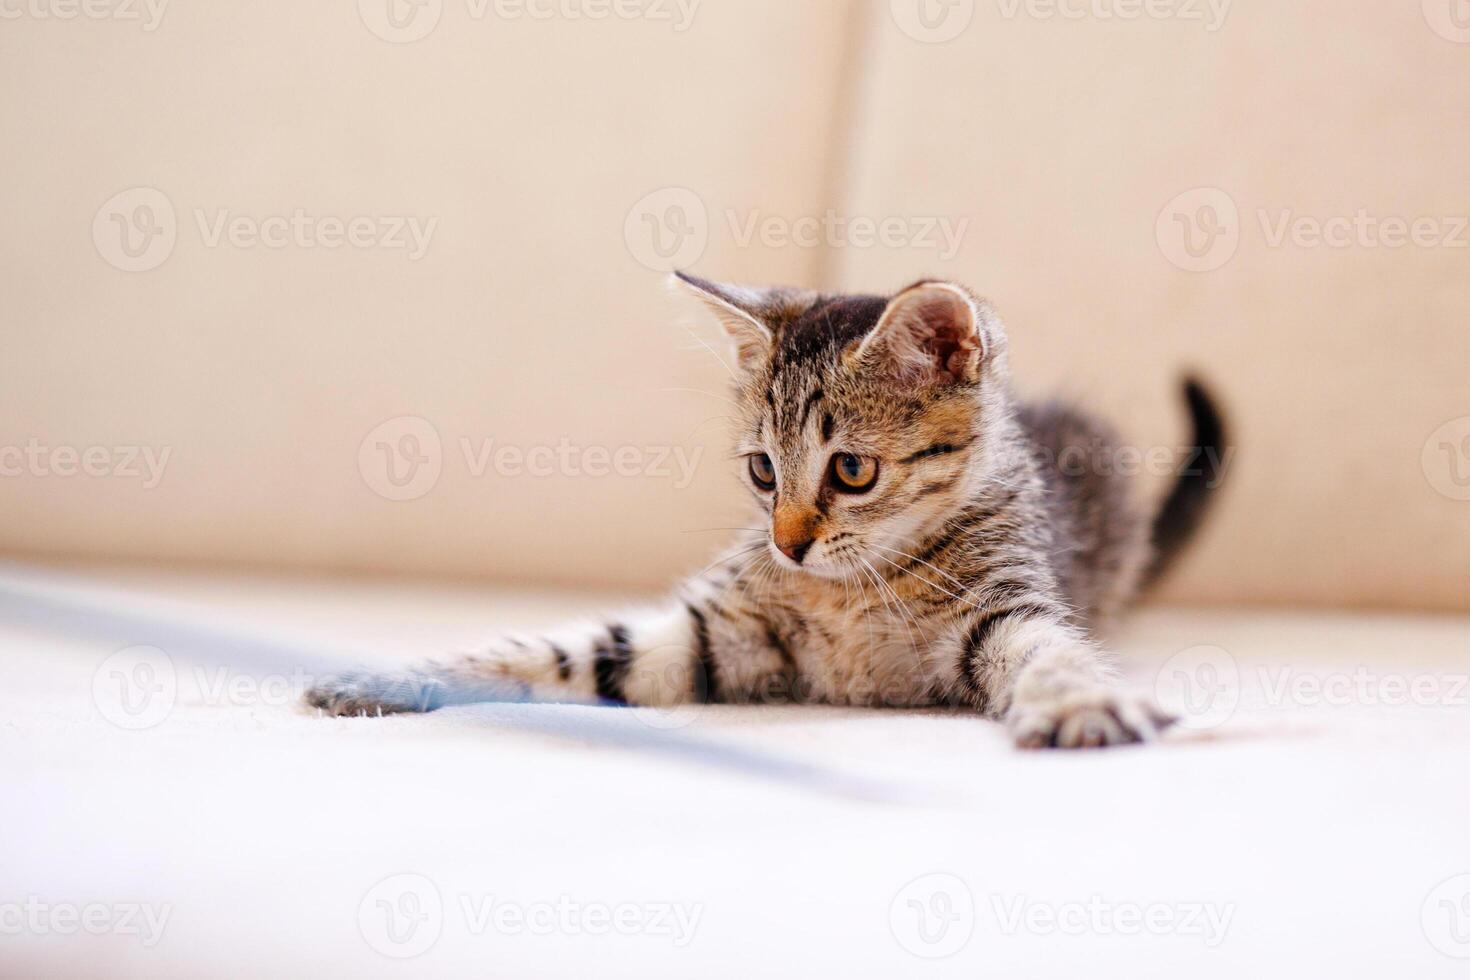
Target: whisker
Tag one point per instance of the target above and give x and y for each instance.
(709, 394)
(712, 418)
(729, 558)
(905, 616)
(701, 530)
(713, 353)
(910, 572)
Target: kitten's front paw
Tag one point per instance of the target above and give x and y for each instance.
(1085, 718)
(374, 694)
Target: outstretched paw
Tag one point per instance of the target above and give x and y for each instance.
(375, 694)
(1086, 718)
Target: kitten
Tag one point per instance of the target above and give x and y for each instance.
(926, 539)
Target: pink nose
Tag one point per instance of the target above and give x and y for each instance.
(795, 550)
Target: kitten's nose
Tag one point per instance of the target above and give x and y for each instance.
(796, 550)
(794, 530)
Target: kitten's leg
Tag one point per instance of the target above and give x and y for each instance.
(693, 650)
(1051, 685)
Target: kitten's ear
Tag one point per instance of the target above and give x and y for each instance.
(932, 332)
(741, 310)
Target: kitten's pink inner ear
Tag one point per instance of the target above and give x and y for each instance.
(931, 331)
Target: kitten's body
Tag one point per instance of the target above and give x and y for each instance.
(992, 538)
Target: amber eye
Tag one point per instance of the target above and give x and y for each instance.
(854, 474)
(762, 472)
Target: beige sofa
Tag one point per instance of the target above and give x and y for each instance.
(295, 293)
(536, 157)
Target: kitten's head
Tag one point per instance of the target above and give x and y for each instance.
(863, 418)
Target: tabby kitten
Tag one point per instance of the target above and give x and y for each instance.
(924, 540)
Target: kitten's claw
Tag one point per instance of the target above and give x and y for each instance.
(1088, 718)
(363, 694)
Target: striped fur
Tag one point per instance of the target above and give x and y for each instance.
(971, 574)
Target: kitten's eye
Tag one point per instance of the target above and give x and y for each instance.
(854, 474)
(762, 472)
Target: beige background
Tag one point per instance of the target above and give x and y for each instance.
(530, 319)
